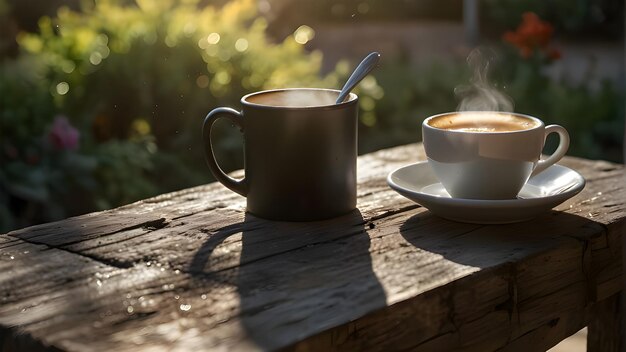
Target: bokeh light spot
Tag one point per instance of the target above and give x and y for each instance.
(222, 77)
(141, 127)
(105, 51)
(68, 67)
(202, 81)
(304, 34)
(102, 39)
(224, 55)
(189, 29)
(170, 41)
(368, 83)
(203, 43)
(368, 119)
(63, 88)
(241, 45)
(367, 103)
(213, 38)
(211, 50)
(95, 58)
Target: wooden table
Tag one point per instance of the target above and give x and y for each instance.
(190, 271)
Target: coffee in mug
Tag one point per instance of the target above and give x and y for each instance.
(294, 98)
(488, 155)
(300, 152)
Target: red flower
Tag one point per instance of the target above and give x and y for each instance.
(62, 135)
(532, 35)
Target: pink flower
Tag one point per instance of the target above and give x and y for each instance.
(62, 135)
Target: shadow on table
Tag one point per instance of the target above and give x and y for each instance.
(295, 280)
(488, 245)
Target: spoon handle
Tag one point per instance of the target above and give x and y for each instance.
(364, 68)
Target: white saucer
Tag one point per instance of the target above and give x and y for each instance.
(541, 193)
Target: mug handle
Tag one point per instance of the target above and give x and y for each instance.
(238, 186)
(558, 153)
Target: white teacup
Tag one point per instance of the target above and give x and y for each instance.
(486, 154)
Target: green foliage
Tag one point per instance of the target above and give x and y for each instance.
(164, 64)
(136, 79)
(42, 182)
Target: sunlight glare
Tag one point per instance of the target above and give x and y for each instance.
(68, 66)
(189, 29)
(304, 34)
(63, 88)
(222, 77)
(203, 43)
(95, 58)
(241, 45)
(213, 38)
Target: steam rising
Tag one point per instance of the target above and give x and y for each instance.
(306, 98)
(295, 98)
(480, 95)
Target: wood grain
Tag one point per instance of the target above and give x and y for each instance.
(191, 270)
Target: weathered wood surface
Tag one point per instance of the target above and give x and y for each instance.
(191, 271)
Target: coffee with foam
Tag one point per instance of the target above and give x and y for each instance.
(488, 154)
(485, 122)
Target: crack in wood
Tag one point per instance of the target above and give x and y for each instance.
(512, 305)
(10, 244)
(451, 312)
(548, 294)
(105, 261)
(550, 324)
(424, 342)
(99, 244)
(590, 278)
(393, 212)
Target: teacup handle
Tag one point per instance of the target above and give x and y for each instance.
(560, 150)
(239, 186)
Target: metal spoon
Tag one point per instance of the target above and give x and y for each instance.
(364, 68)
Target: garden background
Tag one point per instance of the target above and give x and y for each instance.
(101, 102)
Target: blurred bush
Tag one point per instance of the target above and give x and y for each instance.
(133, 82)
(592, 18)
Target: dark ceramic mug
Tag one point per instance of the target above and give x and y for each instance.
(299, 161)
